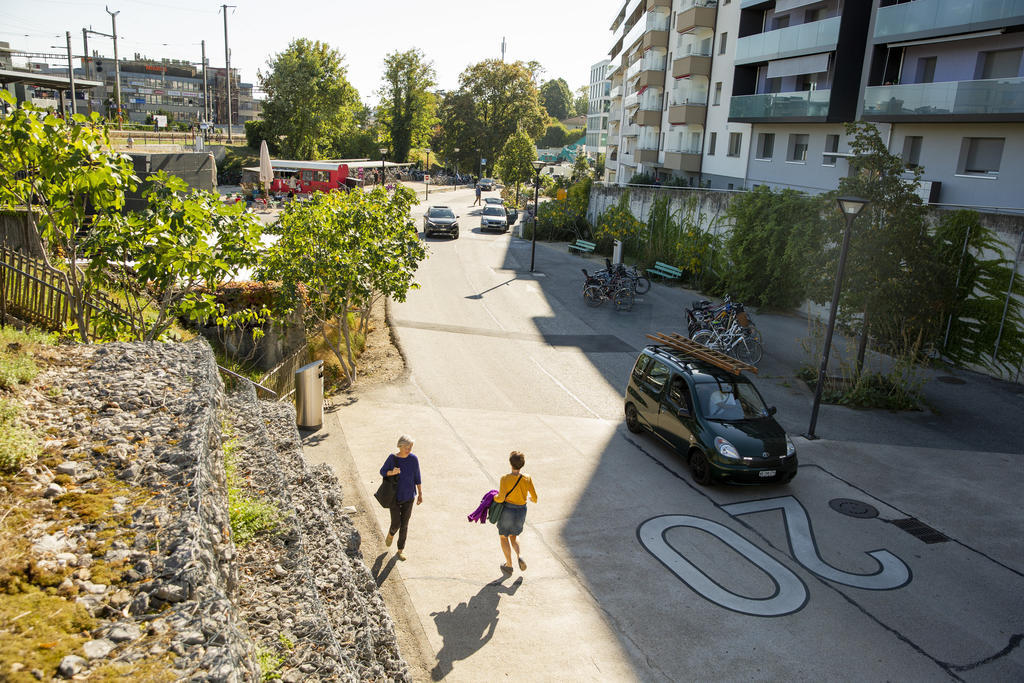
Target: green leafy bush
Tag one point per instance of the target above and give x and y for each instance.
(566, 219)
(18, 445)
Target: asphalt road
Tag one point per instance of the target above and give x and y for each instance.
(895, 554)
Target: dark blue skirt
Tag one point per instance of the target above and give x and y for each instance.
(512, 519)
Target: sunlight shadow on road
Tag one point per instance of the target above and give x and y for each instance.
(380, 570)
(469, 626)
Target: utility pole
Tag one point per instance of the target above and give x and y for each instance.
(227, 62)
(71, 74)
(86, 64)
(117, 65)
(206, 89)
(503, 48)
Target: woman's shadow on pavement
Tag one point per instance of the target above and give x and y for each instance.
(469, 626)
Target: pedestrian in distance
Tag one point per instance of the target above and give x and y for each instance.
(513, 490)
(477, 195)
(406, 466)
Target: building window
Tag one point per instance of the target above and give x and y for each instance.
(718, 94)
(831, 145)
(999, 64)
(765, 146)
(781, 21)
(797, 148)
(816, 14)
(981, 156)
(735, 142)
(912, 151)
(926, 70)
(712, 143)
(722, 41)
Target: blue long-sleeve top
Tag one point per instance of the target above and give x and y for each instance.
(408, 478)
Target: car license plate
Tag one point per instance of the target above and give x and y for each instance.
(766, 473)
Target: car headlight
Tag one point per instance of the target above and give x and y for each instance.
(726, 449)
(790, 448)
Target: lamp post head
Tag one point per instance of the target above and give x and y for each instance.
(851, 206)
(456, 150)
(383, 151)
(538, 164)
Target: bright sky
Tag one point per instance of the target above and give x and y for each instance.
(565, 37)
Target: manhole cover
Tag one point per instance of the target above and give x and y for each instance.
(853, 508)
(950, 380)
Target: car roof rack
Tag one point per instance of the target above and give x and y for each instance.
(701, 352)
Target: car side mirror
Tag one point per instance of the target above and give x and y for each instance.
(773, 410)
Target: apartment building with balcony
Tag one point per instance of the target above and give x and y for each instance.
(639, 57)
(947, 78)
(798, 73)
(598, 104)
(726, 143)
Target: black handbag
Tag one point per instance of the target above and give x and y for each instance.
(387, 491)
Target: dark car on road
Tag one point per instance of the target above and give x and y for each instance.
(494, 217)
(440, 219)
(714, 418)
(486, 184)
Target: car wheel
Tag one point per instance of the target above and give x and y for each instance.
(455, 235)
(632, 419)
(700, 468)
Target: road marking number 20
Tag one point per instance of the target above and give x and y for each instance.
(790, 592)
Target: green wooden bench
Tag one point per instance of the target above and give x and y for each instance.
(665, 270)
(583, 247)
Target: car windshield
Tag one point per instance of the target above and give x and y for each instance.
(440, 213)
(725, 400)
(486, 180)
(492, 200)
(494, 211)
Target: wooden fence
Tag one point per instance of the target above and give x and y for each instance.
(281, 380)
(37, 293)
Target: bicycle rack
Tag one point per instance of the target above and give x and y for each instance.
(701, 352)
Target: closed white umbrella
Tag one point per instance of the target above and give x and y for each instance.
(266, 170)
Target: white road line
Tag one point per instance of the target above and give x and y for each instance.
(566, 389)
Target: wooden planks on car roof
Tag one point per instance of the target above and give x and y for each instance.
(701, 352)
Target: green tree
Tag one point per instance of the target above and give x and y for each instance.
(405, 103)
(341, 251)
(515, 165)
(581, 166)
(599, 166)
(556, 98)
(309, 99)
(891, 287)
(555, 135)
(167, 261)
(772, 246)
(494, 100)
(582, 101)
(256, 132)
(63, 175)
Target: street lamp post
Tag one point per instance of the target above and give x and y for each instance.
(383, 151)
(481, 162)
(426, 176)
(851, 208)
(456, 167)
(537, 165)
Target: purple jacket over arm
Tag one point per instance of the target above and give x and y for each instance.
(480, 514)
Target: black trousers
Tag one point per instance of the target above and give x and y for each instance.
(400, 514)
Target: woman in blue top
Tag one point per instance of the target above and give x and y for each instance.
(407, 467)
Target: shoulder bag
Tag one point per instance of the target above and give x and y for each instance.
(387, 491)
(494, 512)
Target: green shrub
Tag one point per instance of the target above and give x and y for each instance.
(247, 515)
(16, 369)
(18, 445)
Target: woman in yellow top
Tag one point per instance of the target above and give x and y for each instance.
(513, 490)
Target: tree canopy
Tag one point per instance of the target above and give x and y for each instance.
(310, 104)
(339, 252)
(494, 100)
(407, 108)
(556, 98)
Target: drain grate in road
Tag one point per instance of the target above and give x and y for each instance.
(920, 530)
(853, 508)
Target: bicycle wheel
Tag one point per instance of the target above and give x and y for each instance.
(747, 350)
(623, 299)
(706, 338)
(593, 295)
(641, 285)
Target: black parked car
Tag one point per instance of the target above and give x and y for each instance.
(441, 219)
(714, 418)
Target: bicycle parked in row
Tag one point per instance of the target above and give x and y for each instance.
(631, 274)
(727, 328)
(607, 287)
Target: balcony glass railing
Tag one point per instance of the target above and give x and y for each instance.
(652, 21)
(964, 98)
(777, 105)
(925, 15)
(699, 99)
(687, 48)
(616, 92)
(652, 103)
(690, 4)
(654, 63)
(817, 36)
(683, 150)
(633, 69)
(630, 100)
